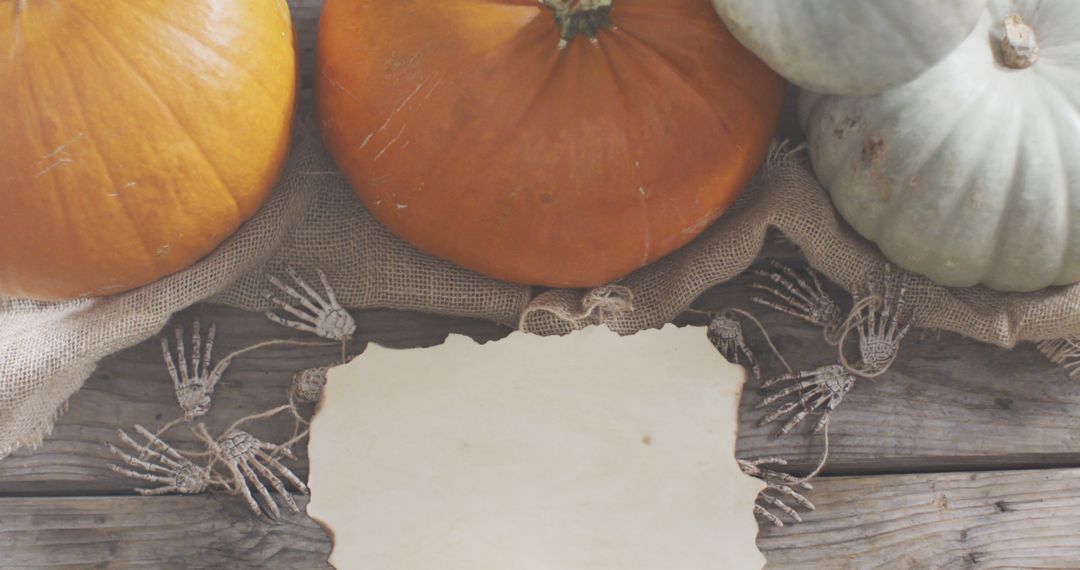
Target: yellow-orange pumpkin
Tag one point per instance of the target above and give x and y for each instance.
(135, 135)
(468, 131)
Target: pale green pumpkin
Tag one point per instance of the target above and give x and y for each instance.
(850, 47)
(971, 173)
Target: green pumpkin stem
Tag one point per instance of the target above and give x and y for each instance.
(580, 17)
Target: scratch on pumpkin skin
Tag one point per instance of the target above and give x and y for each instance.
(58, 156)
(367, 139)
(643, 193)
(391, 143)
(434, 87)
(401, 106)
(342, 88)
(63, 147)
(58, 162)
(698, 225)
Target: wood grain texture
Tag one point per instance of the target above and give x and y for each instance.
(155, 532)
(1016, 519)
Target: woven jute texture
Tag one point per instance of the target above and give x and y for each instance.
(314, 220)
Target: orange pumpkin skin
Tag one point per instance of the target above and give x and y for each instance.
(135, 136)
(468, 132)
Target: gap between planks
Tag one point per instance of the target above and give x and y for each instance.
(1025, 519)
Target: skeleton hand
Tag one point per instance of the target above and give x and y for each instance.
(194, 386)
(246, 458)
(323, 317)
(173, 471)
(777, 483)
(307, 385)
(879, 325)
(798, 298)
(727, 336)
(818, 391)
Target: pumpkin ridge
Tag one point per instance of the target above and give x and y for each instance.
(1011, 195)
(168, 111)
(885, 225)
(78, 106)
(631, 155)
(188, 34)
(1053, 87)
(958, 118)
(676, 71)
(946, 231)
(894, 22)
(1063, 262)
(448, 160)
(58, 199)
(1051, 124)
(512, 129)
(890, 224)
(555, 60)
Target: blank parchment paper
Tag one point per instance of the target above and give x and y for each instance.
(589, 451)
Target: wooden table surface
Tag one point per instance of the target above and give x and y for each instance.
(962, 456)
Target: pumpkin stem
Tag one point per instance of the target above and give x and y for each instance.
(580, 17)
(1019, 46)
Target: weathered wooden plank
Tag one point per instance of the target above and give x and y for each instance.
(950, 403)
(1017, 519)
(155, 532)
(1011, 519)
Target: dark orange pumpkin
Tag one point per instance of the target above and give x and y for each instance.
(135, 135)
(468, 129)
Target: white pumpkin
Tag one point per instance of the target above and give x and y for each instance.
(971, 173)
(850, 47)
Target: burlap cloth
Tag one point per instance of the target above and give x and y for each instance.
(314, 220)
